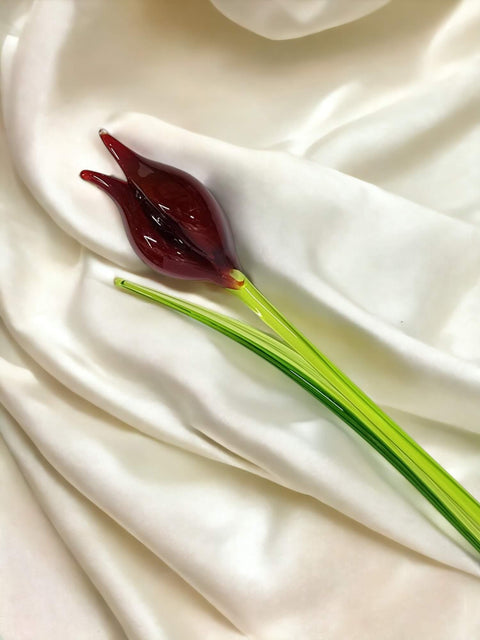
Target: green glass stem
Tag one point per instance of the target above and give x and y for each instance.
(308, 367)
(448, 496)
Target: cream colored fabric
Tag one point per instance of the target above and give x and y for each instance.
(161, 482)
(285, 19)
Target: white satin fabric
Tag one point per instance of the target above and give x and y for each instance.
(161, 482)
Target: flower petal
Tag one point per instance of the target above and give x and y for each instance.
(182, 198)
(158, 245)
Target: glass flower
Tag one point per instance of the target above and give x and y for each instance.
(173, 222)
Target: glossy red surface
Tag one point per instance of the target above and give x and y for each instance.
(172, 221)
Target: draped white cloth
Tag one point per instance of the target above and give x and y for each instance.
(160, 481)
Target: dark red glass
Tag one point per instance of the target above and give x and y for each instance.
(172, 221)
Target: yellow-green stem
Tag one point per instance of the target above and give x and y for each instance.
(457, 505)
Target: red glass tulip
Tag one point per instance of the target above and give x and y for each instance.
(173, 222)
(176, 226)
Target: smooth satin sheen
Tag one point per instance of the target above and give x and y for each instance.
(161, 482)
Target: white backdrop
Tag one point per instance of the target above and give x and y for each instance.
(161, 482)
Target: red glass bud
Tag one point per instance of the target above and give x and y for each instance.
(172, 221)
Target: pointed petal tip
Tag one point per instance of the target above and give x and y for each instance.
(107, 183)
(119, 151)
(107, 139)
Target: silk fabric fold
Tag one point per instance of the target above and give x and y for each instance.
(161, 481)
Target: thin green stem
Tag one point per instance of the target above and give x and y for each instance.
(303, 363)
(457, 505)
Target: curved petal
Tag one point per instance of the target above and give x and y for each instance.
(182, 198)
(156, 241)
